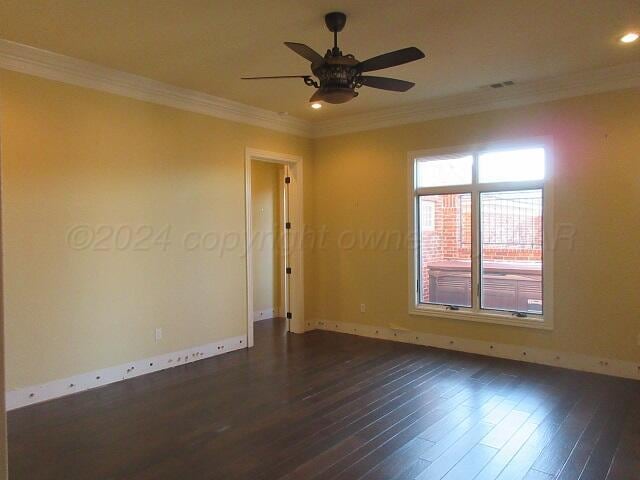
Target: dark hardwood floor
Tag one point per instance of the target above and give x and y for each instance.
(333, 406)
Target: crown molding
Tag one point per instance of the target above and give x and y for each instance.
(42, 63)
(53, 66)
(486, 99)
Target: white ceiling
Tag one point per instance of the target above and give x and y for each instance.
(208, 45)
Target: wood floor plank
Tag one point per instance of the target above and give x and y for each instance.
(519, 466)
(537, 475)
(471, 463)
(327, 441)
(500, 435)
(601, 460)
(626, 462)
(555, 454)
(521, 462)
(370, 428)
(444, 463)
(399, 460)
(330, 406)
(584, 447)
(413, 470)
(495, 466)
(444, 443)
(402, 437)
(358, 463)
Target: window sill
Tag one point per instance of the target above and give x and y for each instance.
(538, 323)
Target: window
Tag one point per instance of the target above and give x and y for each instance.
(427, 214)
(445, 263)
(479, 218)
(440, 171)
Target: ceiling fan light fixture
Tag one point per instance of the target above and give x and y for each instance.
(316, 105)
(629, 37)
(337, 95)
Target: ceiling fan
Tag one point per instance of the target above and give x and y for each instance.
(339, 76)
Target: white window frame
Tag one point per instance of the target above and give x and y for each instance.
(475, 313)
(429, 217)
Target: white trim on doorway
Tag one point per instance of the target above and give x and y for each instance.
(294, 164)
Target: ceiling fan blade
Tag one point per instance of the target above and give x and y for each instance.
(306, 52)
(391, 59)
(279, 76)
(383, 83)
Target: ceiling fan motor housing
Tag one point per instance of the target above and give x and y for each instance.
(338, 78)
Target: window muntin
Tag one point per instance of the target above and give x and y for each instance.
(519, 186)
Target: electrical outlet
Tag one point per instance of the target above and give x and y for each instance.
(158, 334)
(363, 308)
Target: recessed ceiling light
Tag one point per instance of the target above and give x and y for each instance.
(316, 106)
(630, 37)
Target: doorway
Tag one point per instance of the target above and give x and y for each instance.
(269, 240)
(274, 234)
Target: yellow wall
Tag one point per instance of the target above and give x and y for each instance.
(360, 183)
(75, 157)
(265, 216)
(3, 417)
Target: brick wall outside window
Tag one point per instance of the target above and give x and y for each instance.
(513, 231)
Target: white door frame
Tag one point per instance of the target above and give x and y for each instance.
(296, 235)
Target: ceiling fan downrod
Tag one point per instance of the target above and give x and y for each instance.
(335, 22)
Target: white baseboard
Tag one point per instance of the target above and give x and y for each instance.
(573, 361)
(264, 314)
(85, 381)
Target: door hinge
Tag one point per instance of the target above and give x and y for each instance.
(287, 179)
(288, 270)
(289, 316)
(287, 225)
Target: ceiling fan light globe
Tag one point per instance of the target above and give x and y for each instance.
(338, 95)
